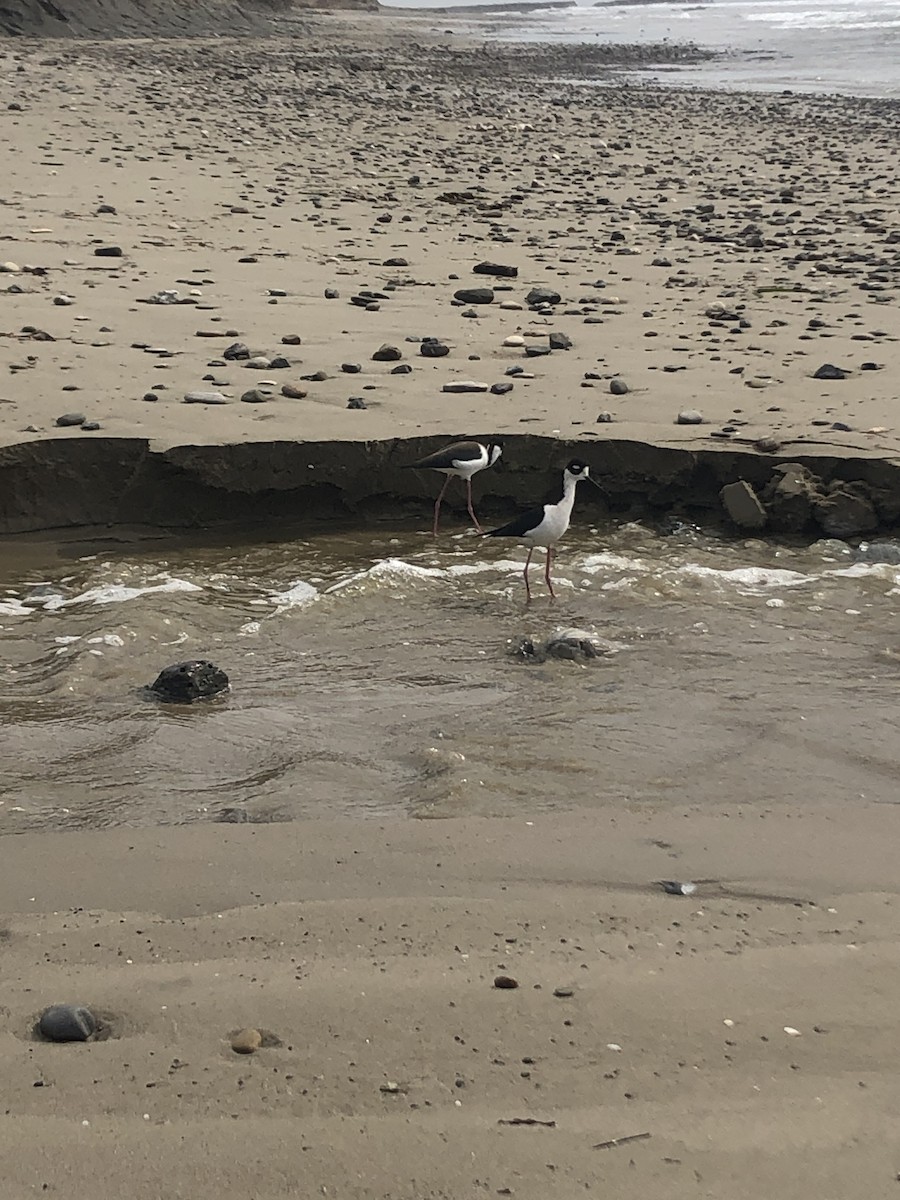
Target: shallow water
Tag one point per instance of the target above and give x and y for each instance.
(372, 676)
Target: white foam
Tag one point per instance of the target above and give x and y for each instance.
(748, 577)
(298, 594)
(118, 593)
(11, 607)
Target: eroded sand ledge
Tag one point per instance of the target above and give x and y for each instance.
(60, 484)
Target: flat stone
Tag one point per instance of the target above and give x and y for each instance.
(689, 416)
(387, 353)
(497, 269)
(71, 419)
(293, 392)
(465, 385)
(108, 252)
(432, 348)
(205, 398)
(482, 295)
(743, 505)
(540, 296)
(256, 396)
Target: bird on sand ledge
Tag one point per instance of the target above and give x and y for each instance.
(545, 526)
(460, 460)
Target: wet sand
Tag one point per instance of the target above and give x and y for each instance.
(369, 948)
(711, 252)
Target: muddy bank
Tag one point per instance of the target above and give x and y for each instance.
(66, 484)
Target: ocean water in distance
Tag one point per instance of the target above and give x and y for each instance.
(846, 46)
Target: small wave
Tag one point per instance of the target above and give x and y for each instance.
(119, 593)
(298, 594)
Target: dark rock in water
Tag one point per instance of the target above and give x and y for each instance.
(846, 510)
(483, 295)
(432, 348)
(560, 341)
(789, 497)
(71, 419)
(497, 269)
(876, 552)
(571, 644)
(540, 296)
(236, 352)
(108, 252)
(67, 1023)
(743, 505)
(185, 682)
(829, 371)
(387, 353)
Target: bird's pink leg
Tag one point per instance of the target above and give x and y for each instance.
(525, 573)
(471, 509)
(547, 572)
(437, 504)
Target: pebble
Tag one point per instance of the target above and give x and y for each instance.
(432, 348)
(479, 295)
(356, 402)
(386, 353)
(514, 339)
(501, 389)
(108, 252)
(256, 396)
(291, 339)
(71, 419)
(497, 269)
(67, 1023)
(9, 268)
(540, 296)
(63, 301)
(689, 416)
(90, 426)
(675, 888)
(563, 993)
(205, 398)
(258, 363)
(351, 368)
(246, 1041)
(505, 981)
(618, 387)
(465, 385)
(560, 341)
(604, 418)
(830, 371)
(193, 679)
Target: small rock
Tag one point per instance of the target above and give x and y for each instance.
(432, 348)
(63, 301)
(743, 505)
(258, 363)
(846, 510)
(675, 888)
(67, 1023)
(71, 419)
(108, 252)
(618, 387)
(829, 371)
(563, 993)
(9, 268)
(560, 341)
(357, 402)
(246, 1041)
(150, 397)
(205, 398)
(465, 385)
(497, 269)
(332, 294)
(689, 416)
(279, 363)
(505, 981)
(291, 339)
(351, 368)
(387, 353)
(292, 392)
(540, 296)
(185, 682)
(90, 426)
(604, 418)
(395, 262)
(236, 352)
(501, 389)
(514, 340)
(256, 396)
(483, 295)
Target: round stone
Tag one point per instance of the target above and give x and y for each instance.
(67, 1023)
(246, 1041)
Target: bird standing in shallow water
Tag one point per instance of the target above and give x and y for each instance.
(461, 460)
(544, 526)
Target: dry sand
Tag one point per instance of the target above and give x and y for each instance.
(251, 176)
(369, 950)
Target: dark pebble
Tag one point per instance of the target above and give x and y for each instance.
(91, 426)
(830, 371)
(108, 252)
(356, 402)
(351, 368)
(387, 353)
(505, 981)
(482, 295)
(501, 389)
(71, 419)
(185, 682)
(560, 341)
(618, 387)
(67, 1023)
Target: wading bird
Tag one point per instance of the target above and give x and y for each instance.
(460, 460)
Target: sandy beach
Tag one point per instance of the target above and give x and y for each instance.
(313, 196)
(167, 202)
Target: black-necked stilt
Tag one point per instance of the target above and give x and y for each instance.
(461, 460)
(546, 525)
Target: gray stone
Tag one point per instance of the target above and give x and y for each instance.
(386, 353)
(71, 419)
(846, 510)
(67, 1023)
(236, 352)
(497, 269)
(560, 341)
(205, 398)
(432, 348)
(465, 385)
(689, 416)
(618, 387)
(743, 505)
(789, 497)
(540, 296)
(256, 396)
(829, 371)
(108, 252)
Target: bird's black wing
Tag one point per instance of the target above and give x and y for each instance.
(443, 460)
(520, 525)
